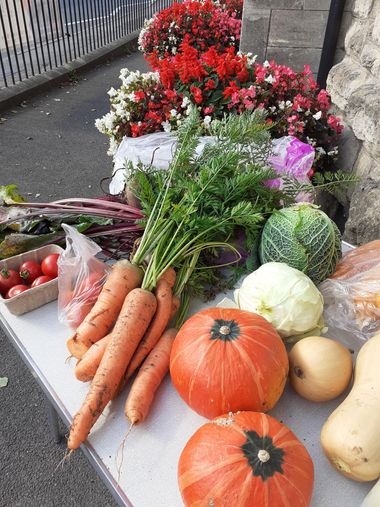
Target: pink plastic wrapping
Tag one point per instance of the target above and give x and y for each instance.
(292, 157)
(80, 277)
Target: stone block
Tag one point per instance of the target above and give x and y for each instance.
(356, 37)
(362, 8)
(363, 224)
(370, 58)
(317, 5)
(297, 28)
(349, 148)
(254, 32)
(276, 4)
(376, 29)
(363, 110)
(343, 79)
(295, 57)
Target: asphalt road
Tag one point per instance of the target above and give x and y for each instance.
(50, 149)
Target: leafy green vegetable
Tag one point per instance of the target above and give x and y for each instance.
(303, 237)
(196, 205)
(14, 244)
(9, 195)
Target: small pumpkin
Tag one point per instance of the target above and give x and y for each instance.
(225, 359)
(244, 460)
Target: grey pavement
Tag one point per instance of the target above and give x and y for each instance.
(50, 148)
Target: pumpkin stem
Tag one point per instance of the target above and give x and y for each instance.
(224, 330)
(263, 455)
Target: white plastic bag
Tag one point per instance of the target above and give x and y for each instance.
(80, 277)
(156, 149)
(290, 156)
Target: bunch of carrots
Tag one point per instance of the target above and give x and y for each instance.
(125, 330)
(187, 212)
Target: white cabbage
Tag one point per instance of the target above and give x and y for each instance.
(284, 296)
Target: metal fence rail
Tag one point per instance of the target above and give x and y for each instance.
(39, 35)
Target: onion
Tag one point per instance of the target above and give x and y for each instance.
(320, 368)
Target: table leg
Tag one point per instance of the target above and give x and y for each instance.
(52, 418)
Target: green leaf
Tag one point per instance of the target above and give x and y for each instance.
(9, 195)
(15, 244)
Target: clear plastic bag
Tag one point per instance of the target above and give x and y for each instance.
(352, 294)
(80, 277)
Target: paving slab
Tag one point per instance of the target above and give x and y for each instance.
(51, 150)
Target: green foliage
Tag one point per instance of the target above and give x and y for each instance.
(9, 194)
(195, 206)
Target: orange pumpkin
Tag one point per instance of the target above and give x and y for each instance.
(248, 459)
(226, 360)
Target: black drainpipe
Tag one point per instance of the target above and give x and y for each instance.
(330, 41)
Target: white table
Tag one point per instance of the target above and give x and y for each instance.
(151, 452)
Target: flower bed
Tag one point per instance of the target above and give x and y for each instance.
(200, 23)
(218, 84)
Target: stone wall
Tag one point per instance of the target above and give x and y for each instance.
(289, 31)
(354, 85)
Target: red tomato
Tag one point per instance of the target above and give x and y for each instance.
(9, 278)
(76, 314)
(30, 270)
(41, 280)
(16, 290)
(89, 284)
(49, 265)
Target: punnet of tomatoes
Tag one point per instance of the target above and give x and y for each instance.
(29, 274)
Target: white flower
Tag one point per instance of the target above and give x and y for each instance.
(270, 79)
(166, 126)
(131, 97)
(288, 103)
(281, 105)
(320, 150)
(112, 92)
(106, 123)
(112, 147)
(120, 109)
(185, 101)
(174, 113)
(317, 116)
(207, 121)
(99, 124)
(272, 109)
(266, 64)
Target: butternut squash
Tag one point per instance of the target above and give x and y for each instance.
(350, 436)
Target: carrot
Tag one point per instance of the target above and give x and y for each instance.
(136, 313)
(86, 367)
(150, 376)
(176, 303)
(170, 276)
(156, 328)
(123, 278)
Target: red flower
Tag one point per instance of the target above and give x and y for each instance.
(197, 94)
(139, 96)
(210, 84)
